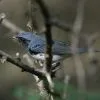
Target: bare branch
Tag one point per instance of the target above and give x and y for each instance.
(32, 23)
(75, 40)
(48, 56)
(19, 64)
(60, 24)
(54, 22)
(48, 35)
(66, 83)
(9, 25)
(91, 50)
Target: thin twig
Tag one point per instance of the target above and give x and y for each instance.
(48, 35)
(32, 23)
(75, 40)
(60, 24)
(91, 50)
(8, 24)
(53, 21)
(48, 57)
(21, 65)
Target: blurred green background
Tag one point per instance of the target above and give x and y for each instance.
(11, 77)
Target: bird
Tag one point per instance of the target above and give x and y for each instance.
(36, 44)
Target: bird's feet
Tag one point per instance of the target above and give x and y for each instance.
(55, 65)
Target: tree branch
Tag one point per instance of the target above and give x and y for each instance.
(60, 24)
(53, 21)
(48, 35)
(5, 22)
(32, 23)
(80, 73)
(21, 65)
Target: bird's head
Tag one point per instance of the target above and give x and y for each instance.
(25, 37)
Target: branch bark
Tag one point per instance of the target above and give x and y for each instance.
(80, 73)
(48, 34)
(32, 23)
(53, 21)
(8, 24)
(60, 24)
(21, 65)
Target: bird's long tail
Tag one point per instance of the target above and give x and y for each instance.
(83, 50)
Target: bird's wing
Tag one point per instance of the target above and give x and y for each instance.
(37, 45)
(61, 48)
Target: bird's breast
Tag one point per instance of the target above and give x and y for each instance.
(41, 56)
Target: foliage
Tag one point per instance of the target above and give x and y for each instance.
(24, 93)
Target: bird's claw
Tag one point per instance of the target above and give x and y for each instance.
(55, 65)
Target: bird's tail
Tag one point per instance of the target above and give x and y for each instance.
(83, 50)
